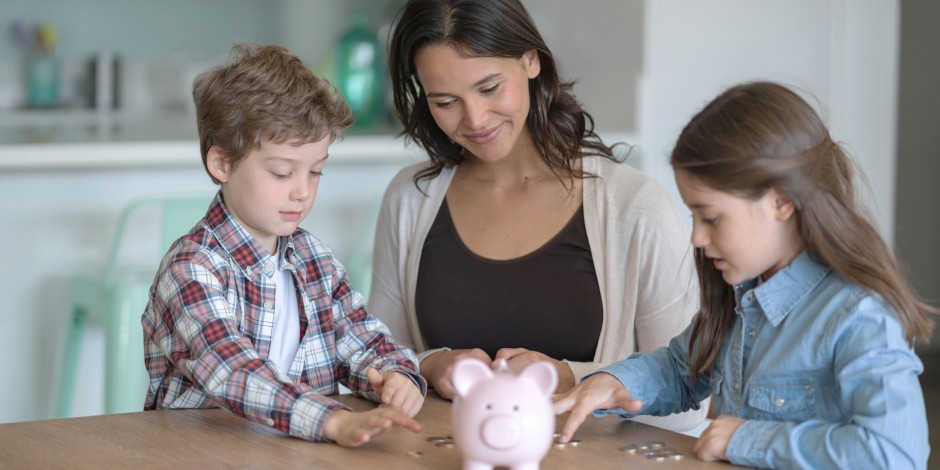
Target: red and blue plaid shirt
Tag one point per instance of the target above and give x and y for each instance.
(208, 326)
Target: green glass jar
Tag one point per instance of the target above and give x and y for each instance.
(359, 71)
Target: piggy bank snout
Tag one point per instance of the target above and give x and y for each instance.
(501, 432)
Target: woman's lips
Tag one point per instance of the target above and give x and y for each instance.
(484, 137)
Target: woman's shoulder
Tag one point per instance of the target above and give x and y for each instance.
(621, 184)
(404, 183)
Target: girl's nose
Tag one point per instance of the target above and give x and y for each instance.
(699, 238)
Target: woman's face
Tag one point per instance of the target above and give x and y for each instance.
(481, 103)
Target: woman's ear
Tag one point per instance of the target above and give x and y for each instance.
(218, 164)
(532, 63)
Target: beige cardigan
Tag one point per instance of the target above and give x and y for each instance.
(641, 252)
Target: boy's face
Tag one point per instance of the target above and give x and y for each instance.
(272, 189)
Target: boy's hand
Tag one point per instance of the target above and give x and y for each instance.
(351, 429)
(598, 392)
(396, 389)
(438, 369)
(713, 443)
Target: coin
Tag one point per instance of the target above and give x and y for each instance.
(574, 443)
(656, 444)
(630, 449)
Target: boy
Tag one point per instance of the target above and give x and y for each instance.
(250, 312)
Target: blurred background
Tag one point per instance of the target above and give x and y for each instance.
(95, 111)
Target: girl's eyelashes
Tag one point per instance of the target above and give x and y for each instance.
(280, 176)
(316, 173)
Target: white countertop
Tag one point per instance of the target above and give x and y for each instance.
(79, 139)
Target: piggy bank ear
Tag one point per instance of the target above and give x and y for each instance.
(544, 375)
(467, 372)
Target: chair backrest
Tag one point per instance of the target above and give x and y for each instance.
(178, 215)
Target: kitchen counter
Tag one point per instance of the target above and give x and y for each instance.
(79, 139)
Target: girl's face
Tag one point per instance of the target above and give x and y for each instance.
(481, 103)
(744, 238)
(272, 189)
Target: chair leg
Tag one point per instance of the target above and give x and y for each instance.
(72, 352)
(125, 373)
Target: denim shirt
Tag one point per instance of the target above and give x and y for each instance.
(817, 366)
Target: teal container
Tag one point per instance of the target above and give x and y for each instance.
(360, 73)
(42, 77)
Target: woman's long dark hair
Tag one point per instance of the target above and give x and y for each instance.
(762, 135)
(561, 130)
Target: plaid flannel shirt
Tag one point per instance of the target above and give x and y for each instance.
(208, 325)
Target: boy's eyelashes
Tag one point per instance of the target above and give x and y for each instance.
(284, 176)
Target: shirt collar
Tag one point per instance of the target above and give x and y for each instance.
(234, 238)
(779, 294)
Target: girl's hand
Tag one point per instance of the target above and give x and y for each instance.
(351, 429)
(598, 392)
(713, 443)
(518, 358)
(438, 368)
(396, 389)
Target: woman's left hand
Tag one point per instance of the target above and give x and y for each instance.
(518, 358)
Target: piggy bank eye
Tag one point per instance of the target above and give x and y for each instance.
(489, 406)
(515, 407)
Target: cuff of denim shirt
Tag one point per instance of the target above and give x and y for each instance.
(308, 415)
(750, 443)
(629, 379)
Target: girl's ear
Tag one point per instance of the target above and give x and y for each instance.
(218, 165)
(784, 207)
(532, 63)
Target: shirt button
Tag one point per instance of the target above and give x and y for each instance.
(779, 402)
(270, 422)
(737, 386)
(268, 305)
(750, 297)
(307, 430)
(751, 333)
(268, 267)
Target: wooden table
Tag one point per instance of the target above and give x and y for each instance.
(215, 438)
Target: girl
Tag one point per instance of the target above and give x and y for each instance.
(805, 333)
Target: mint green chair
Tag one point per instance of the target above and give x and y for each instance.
(115, 298)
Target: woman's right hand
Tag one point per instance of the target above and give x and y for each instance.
(438, 368)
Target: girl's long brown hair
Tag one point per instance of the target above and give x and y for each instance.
(762, 135)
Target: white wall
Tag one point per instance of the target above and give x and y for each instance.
(841, 54)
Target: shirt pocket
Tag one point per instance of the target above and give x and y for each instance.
(715, 382)
(790, 399)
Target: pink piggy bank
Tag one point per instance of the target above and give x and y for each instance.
(500, 418)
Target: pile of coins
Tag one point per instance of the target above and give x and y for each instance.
(446, 442)
(653, 450)
(561, 445)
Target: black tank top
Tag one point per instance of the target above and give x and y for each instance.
(546, 301)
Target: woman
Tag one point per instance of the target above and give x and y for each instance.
(523, 238)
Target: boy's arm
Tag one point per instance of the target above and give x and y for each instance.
(363, 341)
(195, 328)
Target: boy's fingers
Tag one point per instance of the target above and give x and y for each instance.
(374, 377)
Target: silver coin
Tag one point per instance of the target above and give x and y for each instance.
(630, 449)
(574, 443)
(656, 444)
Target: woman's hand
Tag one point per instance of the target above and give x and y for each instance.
(351, 429)
(396, 389)
(518, 358)
(438, 368)
(600, 391)
(713, 443)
